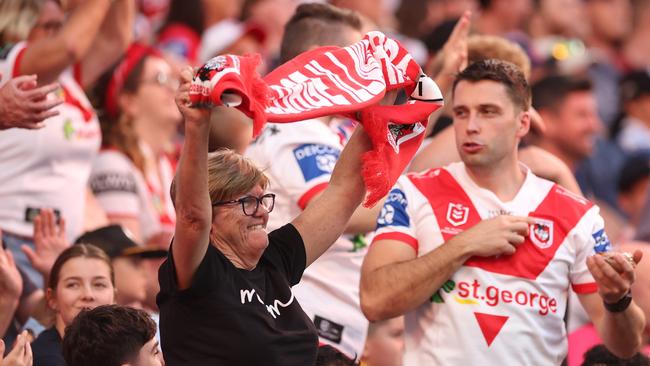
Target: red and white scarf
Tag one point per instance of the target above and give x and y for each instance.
(326, 81)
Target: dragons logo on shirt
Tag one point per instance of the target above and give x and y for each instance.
(541, 233)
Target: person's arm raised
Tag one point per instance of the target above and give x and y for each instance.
(192, 199)
(394, 280)
(111, 42)
(324, 220)
(48, 57)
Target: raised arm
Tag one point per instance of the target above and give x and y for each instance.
(48, 57)
(191, 197)
(324, 220)
(114, 37)
(394, 281)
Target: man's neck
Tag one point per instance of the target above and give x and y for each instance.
(504, 180)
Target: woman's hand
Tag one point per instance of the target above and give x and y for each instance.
(20, 355)
(49, 242)
(191, 114)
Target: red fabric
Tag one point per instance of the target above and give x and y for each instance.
(310, 194)
(530, 260)
(182, 40)
(348, 81)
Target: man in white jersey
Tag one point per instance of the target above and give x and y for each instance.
(299, 158)
(480, 254)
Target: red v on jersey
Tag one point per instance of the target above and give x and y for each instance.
(490, 325)
(558, 213)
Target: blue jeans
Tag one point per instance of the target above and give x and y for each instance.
(13, 243)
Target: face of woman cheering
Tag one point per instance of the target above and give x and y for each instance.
(242, 238)
(84, 283)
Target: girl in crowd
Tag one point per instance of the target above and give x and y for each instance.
(81, 278)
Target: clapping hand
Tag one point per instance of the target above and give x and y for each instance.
(49, 242)
(20, 355)
(24, 105)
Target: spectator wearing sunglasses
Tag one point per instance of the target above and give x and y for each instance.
(133, 172)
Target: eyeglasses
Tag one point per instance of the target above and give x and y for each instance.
(164, 79)
(250, 204)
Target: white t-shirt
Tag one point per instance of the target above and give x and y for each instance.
(47, 168)
(123, 191)
(299, 159)
(494, 311)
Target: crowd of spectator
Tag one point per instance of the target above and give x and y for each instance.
(118, 241)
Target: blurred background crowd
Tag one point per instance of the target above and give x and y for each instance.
(94, 159)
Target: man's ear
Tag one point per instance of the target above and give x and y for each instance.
(524, 124)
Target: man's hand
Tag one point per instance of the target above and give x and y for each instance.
(11, 284)
(20, 355)
(191, 114)
(614, 280)
(497, 236)
(23, 105)
(49, 242)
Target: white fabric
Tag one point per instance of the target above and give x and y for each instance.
(634, 136)
(121, 190)
(47, 167)
(447, 332)
(299, 158)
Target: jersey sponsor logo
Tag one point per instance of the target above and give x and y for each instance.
(316, 160)
(113, 182)
(328, 329)
(393, 213)
(457, 214)
(400, 133)
(471, 293)
(602, 243)
(247, 296)
(541, 233)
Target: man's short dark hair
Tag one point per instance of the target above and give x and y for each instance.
(316, 24)
(550, 92)
(108, 335)
(502, 72)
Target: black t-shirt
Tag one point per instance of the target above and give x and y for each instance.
(232, 316)
(47, 349)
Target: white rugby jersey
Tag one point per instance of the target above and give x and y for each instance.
(299, 159)
(123, 191)
(505, 310)
(47, 168)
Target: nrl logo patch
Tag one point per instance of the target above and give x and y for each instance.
(399, 133)
(541, 233)
(457, 214)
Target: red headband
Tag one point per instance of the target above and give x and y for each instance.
(135, 53)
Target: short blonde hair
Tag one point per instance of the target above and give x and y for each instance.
(229, 175)
(17, 18)
(482, 47)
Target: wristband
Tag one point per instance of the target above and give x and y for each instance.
(621, 305)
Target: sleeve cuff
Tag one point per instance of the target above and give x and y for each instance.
(397, 236)
(585, 288)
